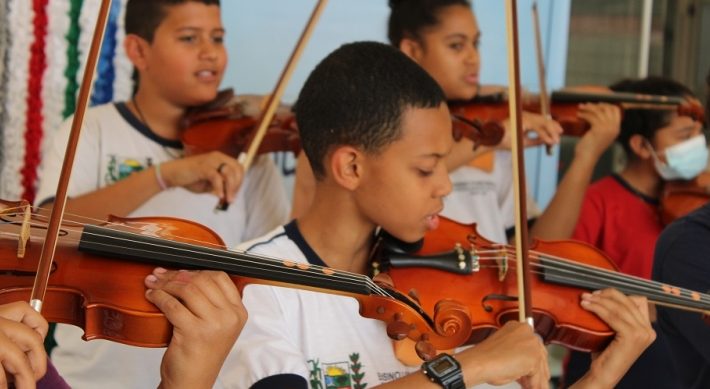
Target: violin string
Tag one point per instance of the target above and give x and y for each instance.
(257, 260)
(606, 274)
(338, 275)
(632, 283)
(613, 279)
(74, 218)
(642, 285)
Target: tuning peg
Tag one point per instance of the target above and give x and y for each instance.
(425, 350)
(414, 295)
(398, 329)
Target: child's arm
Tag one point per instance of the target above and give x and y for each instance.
(511, 353)
(560, 217)
(213, 172)
(22, 355)
(628, 316)
(207, 315)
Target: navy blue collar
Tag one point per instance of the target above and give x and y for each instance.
(128, 116)
(295, 235)
(634, 191)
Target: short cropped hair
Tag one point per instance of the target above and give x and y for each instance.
(409, 17)
(144, 16)
(356, 96)
(646, 122)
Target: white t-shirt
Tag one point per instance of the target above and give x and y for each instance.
(113, 144)
(485, 198)
(318, 337)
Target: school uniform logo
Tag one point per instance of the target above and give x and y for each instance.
(119, 167)
(337, 375)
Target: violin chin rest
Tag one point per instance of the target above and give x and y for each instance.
(394, 245)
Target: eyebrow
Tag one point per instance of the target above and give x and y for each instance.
(191, 29)
(463, 36)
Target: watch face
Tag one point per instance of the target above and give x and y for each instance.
(443, 365)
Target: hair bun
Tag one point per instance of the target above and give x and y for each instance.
(395, 3)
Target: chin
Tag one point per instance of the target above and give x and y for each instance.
(411, 236)
(200, 98)
(465, 95)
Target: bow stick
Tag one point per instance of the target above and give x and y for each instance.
(544, 96)
(267, 114)
(521, 226)
(55, 220)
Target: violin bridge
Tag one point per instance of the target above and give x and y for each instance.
(502, 265)
(24, 236)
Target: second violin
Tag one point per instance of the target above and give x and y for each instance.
(564, 106)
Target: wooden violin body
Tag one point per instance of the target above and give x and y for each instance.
(456, 266)
(223, 126)
(104, 296)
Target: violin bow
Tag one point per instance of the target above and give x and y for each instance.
(544, 96)
(55, 220)
(275, 97)
(273, 100)
(521, 225)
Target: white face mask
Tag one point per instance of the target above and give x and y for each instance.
(686, 159)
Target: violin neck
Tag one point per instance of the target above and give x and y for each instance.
(571, 273)
(616, 97)
(154, 251)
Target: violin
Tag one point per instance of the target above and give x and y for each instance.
(564, 106)
(96, 278)
(222, 125)
(681, 197)
(467, 284)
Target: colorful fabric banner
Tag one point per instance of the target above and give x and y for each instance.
(43, 50)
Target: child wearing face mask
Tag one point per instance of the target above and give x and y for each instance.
(620, 212)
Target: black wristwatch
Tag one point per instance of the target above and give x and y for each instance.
(444, 370)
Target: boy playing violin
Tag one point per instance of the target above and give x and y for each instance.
(130, 162)
(204, 308)
(681, 257)
(442, 36)
(378, 153)
(660, 145)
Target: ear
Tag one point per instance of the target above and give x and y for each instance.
(346, 166)
(411, 48)
(640, 147)
(136, 50)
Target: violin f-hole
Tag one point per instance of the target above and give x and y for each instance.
(499, 297)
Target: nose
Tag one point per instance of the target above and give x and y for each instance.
(208, 50)
(472, 56)
(444, 185)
